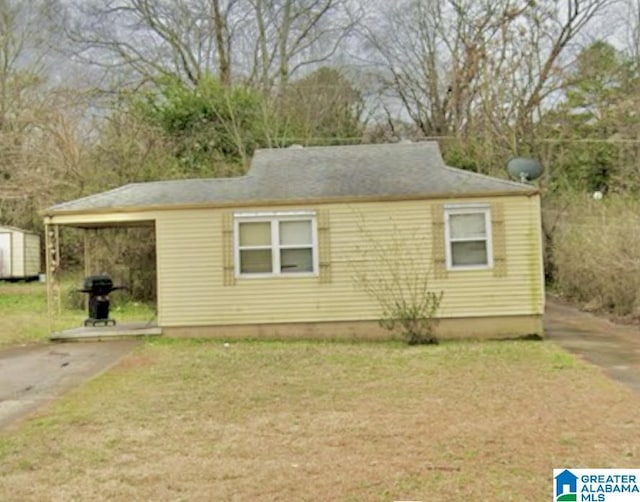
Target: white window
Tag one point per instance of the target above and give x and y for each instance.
(268, 244)
(468, 237)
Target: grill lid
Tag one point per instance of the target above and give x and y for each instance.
(101, 284)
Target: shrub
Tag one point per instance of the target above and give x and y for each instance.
(596, 254)
(415, 318)
(394, 274)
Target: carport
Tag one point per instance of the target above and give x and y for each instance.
(91, 225)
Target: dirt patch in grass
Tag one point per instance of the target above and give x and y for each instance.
(319, 421)
(133, 363)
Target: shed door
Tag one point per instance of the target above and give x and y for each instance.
(5, 255)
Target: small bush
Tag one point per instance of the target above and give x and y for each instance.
(415, 319)
(394, 274)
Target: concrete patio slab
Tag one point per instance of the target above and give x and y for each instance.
(100, 333)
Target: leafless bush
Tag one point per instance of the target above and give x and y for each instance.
(393, 273)
(596, 253)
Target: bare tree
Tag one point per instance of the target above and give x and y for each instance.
(26, 36)
(630, 21)
(462, 66)
(185, 38)
(266, 41)
(41, 154)
(39, 148)
(293, 34)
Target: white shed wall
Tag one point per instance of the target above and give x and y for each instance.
(5, 254)
(32, 255)
(19, 253)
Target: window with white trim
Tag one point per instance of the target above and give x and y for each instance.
(268, 244)
(468, 237)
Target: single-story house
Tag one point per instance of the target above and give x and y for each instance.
(278, 252)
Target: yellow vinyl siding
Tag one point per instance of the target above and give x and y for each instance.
(191, 265)
(520, 289)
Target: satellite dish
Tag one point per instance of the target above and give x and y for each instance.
(524, 169)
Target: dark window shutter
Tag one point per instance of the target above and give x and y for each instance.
(438, 243)
(324, 245)
(499, 240)
(228, 270)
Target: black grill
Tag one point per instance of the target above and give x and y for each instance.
(98, 287)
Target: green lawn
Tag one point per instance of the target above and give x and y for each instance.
(201, 420)
(23, 310)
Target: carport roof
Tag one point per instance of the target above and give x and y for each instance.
(285, 175)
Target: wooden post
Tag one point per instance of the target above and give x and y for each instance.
(56, 281)
(87, 252)
(52, 257)
(48, 276)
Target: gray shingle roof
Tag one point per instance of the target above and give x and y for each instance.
(311, 173)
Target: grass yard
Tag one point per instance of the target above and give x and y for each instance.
(188, 420)
(23, 310)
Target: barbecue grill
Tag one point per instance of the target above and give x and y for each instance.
(99, 287)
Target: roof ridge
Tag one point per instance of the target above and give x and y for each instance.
(355, 145)
(210, 178)
(485, 176)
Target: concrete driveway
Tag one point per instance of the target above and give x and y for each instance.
(613, 347)
(34, 375)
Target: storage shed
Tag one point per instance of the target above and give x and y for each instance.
(277, 252)
(19, 254)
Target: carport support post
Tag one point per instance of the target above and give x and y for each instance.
(89, 238)
(52, 256)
